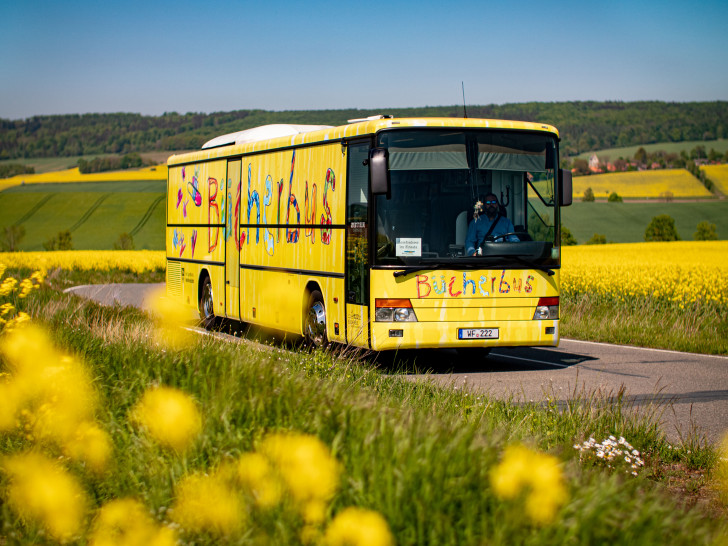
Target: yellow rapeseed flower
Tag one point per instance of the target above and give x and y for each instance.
(257, 476)
(31, 283)
(678, 273)
(57, 393)
(538, 475)
(91, 444)
(9, 407)
(43, 492)
(309, 471)
(358, 527)
(207, 504)
(137, 261)
(8, 286)
(169, 416)
(126, 522)
(172, 316)
(17, 321)
(718, 174)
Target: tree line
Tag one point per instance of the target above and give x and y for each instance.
(584, 126)
(659, 159)
(110, 163)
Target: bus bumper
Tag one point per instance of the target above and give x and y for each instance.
(424, 335)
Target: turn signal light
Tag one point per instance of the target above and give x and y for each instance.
(394, 310)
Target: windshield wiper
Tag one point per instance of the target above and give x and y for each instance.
(415, 269)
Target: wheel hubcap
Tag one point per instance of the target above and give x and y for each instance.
(207, 306)
(317, 322)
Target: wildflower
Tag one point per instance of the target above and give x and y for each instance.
(309, 471)
(172, 317)
(169, 416)
(256, 474)
(18, 320)
(358, 527)
(207, 503)
(125, 522)
(538, 474)
(609, 453)
(26, 286)
(41, 491)
(8, 286)
(6, 308)
(56, 394)
(89, 444)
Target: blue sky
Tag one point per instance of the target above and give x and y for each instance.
(206, 56)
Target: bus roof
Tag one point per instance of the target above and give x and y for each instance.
(264, 132)
(270, 137)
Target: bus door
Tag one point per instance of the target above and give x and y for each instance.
(357, 248)
(232, 239)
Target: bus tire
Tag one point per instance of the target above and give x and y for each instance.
(207, 305)
(314, 326)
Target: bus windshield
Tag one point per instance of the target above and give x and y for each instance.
(470, 198)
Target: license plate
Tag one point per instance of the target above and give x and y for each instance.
(478, 333)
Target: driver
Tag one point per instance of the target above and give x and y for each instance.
(480, 227)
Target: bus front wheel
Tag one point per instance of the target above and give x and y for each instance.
(207, 305)
(315, 321)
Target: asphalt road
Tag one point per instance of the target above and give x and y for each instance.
(690, 391)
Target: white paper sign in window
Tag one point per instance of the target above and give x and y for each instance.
(409, 247)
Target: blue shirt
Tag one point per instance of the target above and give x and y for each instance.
(480, 226)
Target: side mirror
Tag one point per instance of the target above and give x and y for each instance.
(565, 189)
(379, 171)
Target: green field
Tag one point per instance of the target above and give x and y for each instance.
(669, 147)
(626, 222)
(95, 213)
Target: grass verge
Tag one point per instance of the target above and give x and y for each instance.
(646, 323)
(422, 456)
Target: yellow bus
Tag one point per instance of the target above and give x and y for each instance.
(372, 233)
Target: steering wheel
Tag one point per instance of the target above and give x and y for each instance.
(522, 235)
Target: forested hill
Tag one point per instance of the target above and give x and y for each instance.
(584, 126)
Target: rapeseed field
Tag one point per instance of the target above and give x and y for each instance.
(718, 175)
(642, 184)
(676, 273)
(157, 172)
(137, 261)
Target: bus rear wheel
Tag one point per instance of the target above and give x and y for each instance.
(207, 305)
(314, 329)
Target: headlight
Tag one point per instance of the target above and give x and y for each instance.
(403, 314)
(394, 310)
(547, 309)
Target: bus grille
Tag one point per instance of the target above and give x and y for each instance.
(174, 278)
